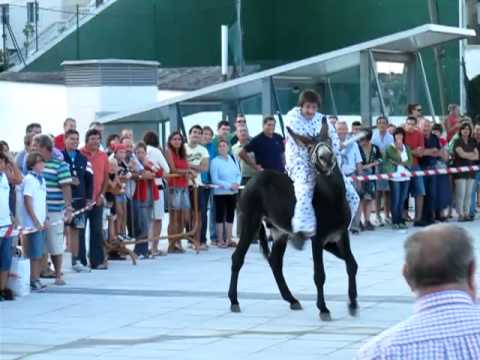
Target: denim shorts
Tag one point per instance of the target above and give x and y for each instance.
(121, 199)
(179, 199)
(36, 245)
(6, 254)
(417, 185)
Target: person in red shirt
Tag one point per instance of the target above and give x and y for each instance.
(59, 140)
(452, 124)
(99, 161)
(415, 140)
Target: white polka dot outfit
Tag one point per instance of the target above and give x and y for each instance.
(301, 171)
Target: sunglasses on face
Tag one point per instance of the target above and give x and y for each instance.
(419, 109)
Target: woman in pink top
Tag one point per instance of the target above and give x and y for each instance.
(179, 205)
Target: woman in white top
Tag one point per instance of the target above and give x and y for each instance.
(398, 159)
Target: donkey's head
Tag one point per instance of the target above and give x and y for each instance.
(319, 149)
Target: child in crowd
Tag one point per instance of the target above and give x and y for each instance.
(114, 188)
(33, 215)
(123, 174)
(5, 230)
(146, 193)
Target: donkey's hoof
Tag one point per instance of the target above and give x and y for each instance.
(325, 316)
(296, 306)
(353, 309)
(235, 308)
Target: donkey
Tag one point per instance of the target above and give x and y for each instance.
(269, 197)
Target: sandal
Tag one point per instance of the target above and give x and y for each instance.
(222, 245)
(232, 244)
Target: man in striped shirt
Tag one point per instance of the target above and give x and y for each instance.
(59, 201)
(440, 269)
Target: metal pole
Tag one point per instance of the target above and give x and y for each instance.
(433, 12)
(35, 14)
(377, 82)
(78, 32)
(425, 84)
(4, 34)
(330, 91)
(224, 50)
(277, 105)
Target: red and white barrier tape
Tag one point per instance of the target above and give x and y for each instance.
(15, 231)
(389, 176)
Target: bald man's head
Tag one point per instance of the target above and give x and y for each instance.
(439, 255)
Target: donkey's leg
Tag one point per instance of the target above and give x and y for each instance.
(250, 226)
(352, 268)
(319, 278)
(276, 263)
(342, 250)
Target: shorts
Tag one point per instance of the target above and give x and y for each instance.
(55, 241)
(6, 253)
(120, 199)
(179, 199)
(382, 185)
(417, 186)
(35, 245)
(159, 206)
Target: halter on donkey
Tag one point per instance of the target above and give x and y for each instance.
(270, 197)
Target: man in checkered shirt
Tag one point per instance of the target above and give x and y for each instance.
(440, 269)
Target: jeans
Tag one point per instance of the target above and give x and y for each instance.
(473, 204)
(143, 209)
(95, 217)
(398, 194)
(203, 197)
(430, 200)
(463, 195)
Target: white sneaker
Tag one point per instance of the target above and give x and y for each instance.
(78, 267)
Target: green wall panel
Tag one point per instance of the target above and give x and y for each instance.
(187, 32)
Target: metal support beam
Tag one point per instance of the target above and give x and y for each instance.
(365, 98)
(426, 87)
(412, 96)
(332, 97)
(267, 103)
(173, 117)
(277, 106)
(373, 66)
(180, 121)
(163, 129)
(229, 112)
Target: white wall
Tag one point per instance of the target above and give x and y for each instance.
(86, 103)
(50, 105)
(21, 104)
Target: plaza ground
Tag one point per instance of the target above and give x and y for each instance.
(175, 307)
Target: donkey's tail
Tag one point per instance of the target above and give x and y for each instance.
(263, 241)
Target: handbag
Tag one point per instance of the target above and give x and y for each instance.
(19, 276)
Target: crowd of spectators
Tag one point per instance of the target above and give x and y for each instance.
(127, 185)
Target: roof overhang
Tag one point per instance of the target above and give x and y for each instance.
(306, 72)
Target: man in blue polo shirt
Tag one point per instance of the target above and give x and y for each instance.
(268, 147)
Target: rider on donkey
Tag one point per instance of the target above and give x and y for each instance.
(306, 121)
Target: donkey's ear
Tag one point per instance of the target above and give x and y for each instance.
(300, 139)
(324, 129)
